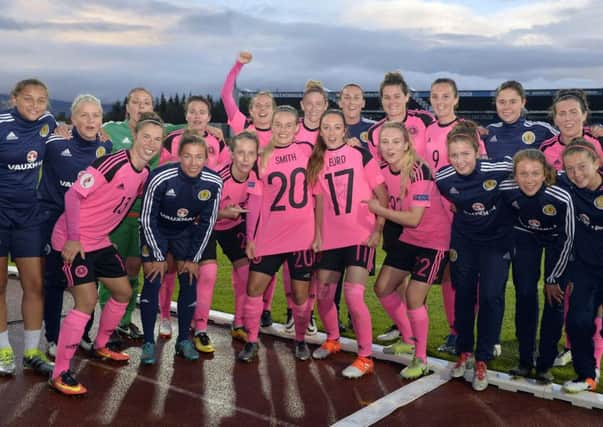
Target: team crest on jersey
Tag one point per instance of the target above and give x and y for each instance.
(528, 137)
(144, 251)
(100, 152)
(81, 271)
(599, 202)
(86, 180)
(478, 207)
(204, 195)
(534, 223)
(44, 131)
(182, 212)
(364, 136)
(453, 255)
(32, 156)
(489, 184)
(549, 210)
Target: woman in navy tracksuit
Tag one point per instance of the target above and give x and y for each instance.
(584, 181)
(544, 219)
(179, 210)
(480, 246)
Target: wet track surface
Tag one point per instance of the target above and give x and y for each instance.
(274, 390)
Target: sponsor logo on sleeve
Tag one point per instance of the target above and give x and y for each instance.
(86, 180)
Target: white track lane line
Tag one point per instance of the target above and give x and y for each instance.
(386, 405)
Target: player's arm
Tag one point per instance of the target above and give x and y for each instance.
(229, 84)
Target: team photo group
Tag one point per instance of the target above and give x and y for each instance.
(120, 212)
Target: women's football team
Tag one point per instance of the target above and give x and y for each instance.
(454, 204)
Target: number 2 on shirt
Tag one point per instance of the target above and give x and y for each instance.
(279, 176)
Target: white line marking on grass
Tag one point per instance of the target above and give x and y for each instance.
(388, 404)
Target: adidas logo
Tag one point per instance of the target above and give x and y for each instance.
(515, 204)
(126, 141)
(171, 192)
(453, 190)
(121, 186)
(493, 139)
(11, 136)
(66, 153)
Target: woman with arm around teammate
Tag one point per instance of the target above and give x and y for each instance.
(64, 161)
(424, 241)
(544, 221)
(346, 234)
(179, 210)
(94, 206)
(479, 248)
(280, 228)
(24, 130)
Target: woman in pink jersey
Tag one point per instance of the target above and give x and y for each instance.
(198, 115)
(280, 227)
(261, 106)
(314, 103)
(346, 234)
(94, 206)
(444, 99)
(230, 229)
(424, 239)
(570, 112)
(395, 93)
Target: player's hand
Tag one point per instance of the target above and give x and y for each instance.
(353, 142)
(596, 131)
(553, 293)
(154, 269)
(373, 205)
(250, 250)
(374, 239)
(64, 131)
(103, 136)
(215, 131)
(192, 268)
(233, 211)
(317, 244)
(245, 57)
(71, 249)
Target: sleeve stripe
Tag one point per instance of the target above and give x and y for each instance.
(210, 228)
(147, 207)
(561, 264)
(111, 161)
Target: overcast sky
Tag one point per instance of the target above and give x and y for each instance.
(107, 47)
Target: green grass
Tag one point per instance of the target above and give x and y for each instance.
(438, 326)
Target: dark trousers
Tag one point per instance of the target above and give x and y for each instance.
(488, 264)
(585, 298)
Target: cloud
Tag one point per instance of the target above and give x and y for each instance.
(106, 47)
